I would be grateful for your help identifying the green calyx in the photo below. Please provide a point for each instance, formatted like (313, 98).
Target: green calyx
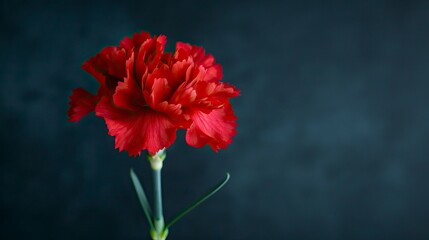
(157, 159)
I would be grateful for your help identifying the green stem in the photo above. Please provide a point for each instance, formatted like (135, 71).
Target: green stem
(159, 232)
(158, 216)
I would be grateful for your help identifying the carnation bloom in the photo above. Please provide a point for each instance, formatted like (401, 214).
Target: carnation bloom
(146, 95)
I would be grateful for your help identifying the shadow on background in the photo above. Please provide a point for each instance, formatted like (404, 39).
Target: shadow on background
(332, 136)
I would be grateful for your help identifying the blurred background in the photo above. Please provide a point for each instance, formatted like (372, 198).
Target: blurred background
(332, 136)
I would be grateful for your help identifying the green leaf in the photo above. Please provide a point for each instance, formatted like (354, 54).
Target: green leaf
(142, 198)
(199, 201)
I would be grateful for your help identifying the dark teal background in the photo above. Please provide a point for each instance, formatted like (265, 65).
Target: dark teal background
(333, 128)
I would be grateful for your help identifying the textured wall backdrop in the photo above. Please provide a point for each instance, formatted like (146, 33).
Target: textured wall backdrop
(333, 121)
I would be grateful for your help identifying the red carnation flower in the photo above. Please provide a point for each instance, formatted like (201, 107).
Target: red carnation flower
(146, 95)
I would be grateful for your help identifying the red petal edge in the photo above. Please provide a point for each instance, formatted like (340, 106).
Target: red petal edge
(215, 128)
(81, 103)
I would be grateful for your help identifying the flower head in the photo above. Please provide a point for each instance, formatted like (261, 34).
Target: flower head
(146, 95)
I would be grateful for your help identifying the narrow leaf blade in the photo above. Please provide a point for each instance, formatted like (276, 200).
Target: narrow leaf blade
(199, 201)
(142, 198)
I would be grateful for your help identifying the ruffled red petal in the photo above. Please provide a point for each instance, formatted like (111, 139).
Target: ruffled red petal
(107, 66)
(214, 73)
(185, 50)
(149, 56)
(215, 94)
(81, 103)
(138, 39)
(215, 128)
(90, 67)
(137, 131)
(128, 94)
